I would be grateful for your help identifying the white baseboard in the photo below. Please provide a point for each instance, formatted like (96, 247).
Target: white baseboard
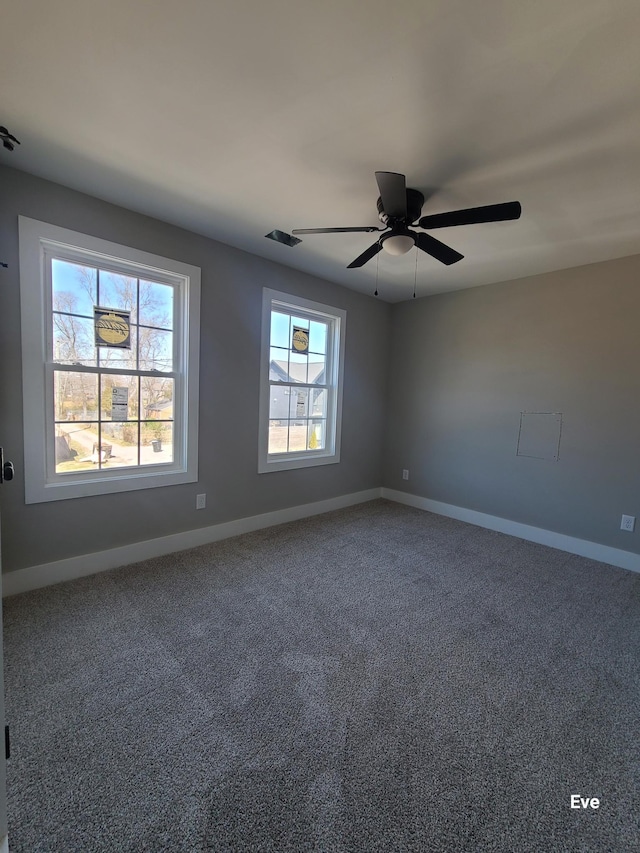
(46, 574)
(34, 577)
(582, 547)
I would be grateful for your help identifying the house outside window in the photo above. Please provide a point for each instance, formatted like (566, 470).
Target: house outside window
(302, 370)
(110, 339)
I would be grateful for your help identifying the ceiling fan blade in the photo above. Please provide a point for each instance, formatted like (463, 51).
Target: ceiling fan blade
(362, 259)
(393, 192)
(282, 237)
(473, 215)
(438, 250)
(366, 228)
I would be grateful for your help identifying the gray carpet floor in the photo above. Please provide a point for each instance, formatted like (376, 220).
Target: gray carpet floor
(373, 679)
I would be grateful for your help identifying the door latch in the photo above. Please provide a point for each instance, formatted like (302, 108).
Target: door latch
(7, 471)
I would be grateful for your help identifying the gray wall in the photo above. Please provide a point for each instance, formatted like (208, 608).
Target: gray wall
(465, 364)
(232, 283)
(461, 368)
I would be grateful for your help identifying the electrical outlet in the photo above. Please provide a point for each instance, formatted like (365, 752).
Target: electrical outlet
(628, 523)
(405, 474)
(201, 501)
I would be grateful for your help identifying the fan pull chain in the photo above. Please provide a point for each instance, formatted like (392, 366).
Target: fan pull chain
(415, 276)
(377, 266)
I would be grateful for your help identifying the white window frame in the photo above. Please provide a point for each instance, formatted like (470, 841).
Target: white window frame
(337, 317)
(39, 241)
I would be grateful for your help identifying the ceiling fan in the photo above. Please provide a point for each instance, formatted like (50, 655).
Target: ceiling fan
(398, 208)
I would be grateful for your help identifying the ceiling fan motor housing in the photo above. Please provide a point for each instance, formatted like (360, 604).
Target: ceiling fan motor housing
(415, 200)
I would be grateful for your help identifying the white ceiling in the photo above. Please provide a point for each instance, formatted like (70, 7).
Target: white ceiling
(234, 117)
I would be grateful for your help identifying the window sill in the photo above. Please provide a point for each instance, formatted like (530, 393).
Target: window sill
(289, 462)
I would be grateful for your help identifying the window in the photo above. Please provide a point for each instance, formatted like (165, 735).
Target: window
(110, 342)
(301, 382)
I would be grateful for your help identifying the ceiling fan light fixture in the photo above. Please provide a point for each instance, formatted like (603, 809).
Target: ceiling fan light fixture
(398, 244)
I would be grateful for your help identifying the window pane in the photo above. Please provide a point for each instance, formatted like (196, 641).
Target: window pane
(279, 402)
(297, 436)
(280, 330)
(156, 349)
(119, 444)
(298, 367)
(317, 369)
(73, 447)
(120, 358)
(116, 290)
(319, 402)
(73, 340)
(156, 304)
(73, 287)
(119, 401)
(76, 412)
(278, 436)
(299, 403)
(318, 337)
(75, 396)
(156, 445)
(317, 433)
(278, 365)
(157, 398)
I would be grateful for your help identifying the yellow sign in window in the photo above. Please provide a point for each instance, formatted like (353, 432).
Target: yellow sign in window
(112, 327)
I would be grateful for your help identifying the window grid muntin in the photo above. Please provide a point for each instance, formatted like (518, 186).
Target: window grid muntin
(179, 344)
(100, 353)
(139, 420)
(306, 420)
(332, 324)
